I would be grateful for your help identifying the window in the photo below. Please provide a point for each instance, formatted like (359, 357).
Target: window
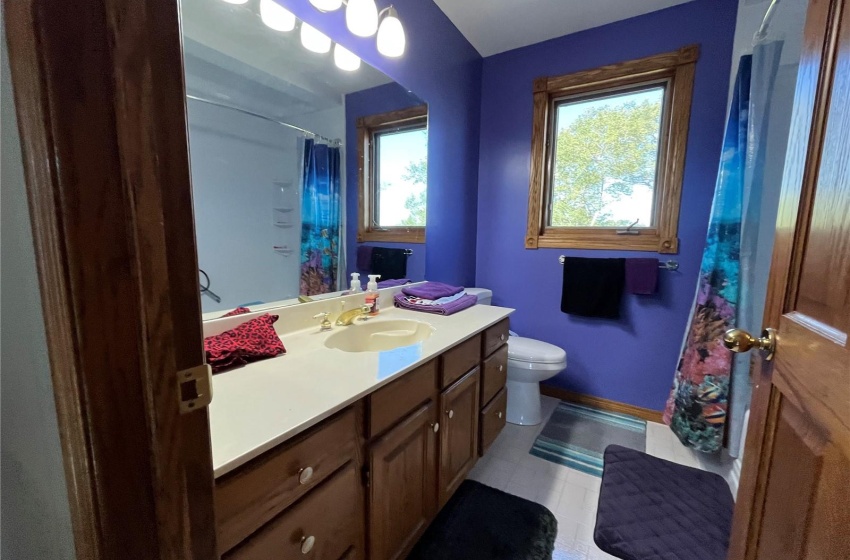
(608, 152)
(393, 151)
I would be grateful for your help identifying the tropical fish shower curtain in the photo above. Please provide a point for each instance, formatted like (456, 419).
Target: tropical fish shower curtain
(320, 218)
(697, 407)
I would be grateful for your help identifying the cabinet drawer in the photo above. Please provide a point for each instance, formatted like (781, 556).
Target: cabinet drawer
(494, 374)
(254, 494)
(330, 517)
(495, 336)
(459, 360)
(493, 419)
(390, 404)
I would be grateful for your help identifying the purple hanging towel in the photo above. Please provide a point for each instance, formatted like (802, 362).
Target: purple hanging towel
(641, 276)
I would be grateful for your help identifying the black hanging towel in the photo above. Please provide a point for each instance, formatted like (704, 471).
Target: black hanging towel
(593, 287)
(391, 264)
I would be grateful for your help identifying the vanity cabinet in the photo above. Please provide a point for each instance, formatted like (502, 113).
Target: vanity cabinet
(402, 483)
(368, 481)
(459, 432)
(326, 525)
(494, 396)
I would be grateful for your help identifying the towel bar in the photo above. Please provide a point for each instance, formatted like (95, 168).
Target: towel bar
(669, 265)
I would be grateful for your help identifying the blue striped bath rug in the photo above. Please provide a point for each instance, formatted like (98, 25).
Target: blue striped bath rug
(576, 436)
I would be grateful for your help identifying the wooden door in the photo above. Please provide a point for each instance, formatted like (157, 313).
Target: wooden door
(101, 109)
(403, 484)
(793, 500)
(459, 437)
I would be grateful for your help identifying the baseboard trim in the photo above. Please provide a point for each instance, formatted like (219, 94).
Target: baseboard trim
(602, 404)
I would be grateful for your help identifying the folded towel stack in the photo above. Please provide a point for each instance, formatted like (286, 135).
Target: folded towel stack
(393, 283)
(435, 297)
(249, 342)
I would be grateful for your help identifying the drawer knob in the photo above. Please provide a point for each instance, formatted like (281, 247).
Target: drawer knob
(499, 415)
(436, 427)
(305, 474)
(450, 413)
(307, 544)
(502, 337)
(501, 367)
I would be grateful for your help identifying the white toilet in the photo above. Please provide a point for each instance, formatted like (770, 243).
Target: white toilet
(529, 362)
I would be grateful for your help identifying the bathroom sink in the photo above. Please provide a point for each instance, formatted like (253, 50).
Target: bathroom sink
(376, 336)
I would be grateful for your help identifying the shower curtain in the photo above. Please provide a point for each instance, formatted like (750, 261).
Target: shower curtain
(320, 218)
(697, 407)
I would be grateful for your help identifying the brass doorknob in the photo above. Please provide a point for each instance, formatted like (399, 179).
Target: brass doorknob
(739, 340)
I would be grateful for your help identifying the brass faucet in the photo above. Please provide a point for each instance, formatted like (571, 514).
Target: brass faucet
(346, 318)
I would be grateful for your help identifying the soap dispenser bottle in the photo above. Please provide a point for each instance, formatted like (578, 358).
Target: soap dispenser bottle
(355, 283)
(372, 293)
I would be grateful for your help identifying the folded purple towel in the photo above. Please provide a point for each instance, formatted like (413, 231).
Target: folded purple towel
(446, 309)
(432, 290)
(641, 276)
(364, 258)
(393, 283)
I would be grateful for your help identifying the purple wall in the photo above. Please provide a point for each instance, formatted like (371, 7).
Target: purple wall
(631, 360)
(441, 67)
(373, 101)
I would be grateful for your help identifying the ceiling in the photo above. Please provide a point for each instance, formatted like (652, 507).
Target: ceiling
(232, 57)
(495, 26)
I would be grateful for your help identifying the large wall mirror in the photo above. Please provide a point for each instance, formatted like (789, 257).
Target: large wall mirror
(289, 145)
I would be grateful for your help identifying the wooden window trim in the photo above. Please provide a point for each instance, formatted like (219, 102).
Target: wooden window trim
(367, 127)
(677, 69)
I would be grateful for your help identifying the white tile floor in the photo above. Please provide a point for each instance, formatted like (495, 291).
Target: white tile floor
(569, 494)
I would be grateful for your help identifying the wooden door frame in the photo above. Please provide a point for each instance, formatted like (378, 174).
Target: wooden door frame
(100, 102)
(808, 122)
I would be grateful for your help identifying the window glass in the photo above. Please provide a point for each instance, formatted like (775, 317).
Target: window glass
(605, 159)
(401, 167)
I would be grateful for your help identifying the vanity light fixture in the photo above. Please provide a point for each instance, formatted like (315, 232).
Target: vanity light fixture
(391, 39)
(314, 40)
(326, 5)
(361, 17)
(276, 16)
(345, 59)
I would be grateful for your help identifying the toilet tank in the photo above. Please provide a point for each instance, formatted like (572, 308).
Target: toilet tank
(485, 296)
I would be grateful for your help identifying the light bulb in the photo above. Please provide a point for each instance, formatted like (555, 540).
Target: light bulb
(326, 5)
(237, 2)
(345, 59)
(391, 39)
(276, 16)
(361, 17)
(314, 40)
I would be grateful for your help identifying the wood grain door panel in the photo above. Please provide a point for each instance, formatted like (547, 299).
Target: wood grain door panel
(403, 485)
(459, 432)
(795, 485)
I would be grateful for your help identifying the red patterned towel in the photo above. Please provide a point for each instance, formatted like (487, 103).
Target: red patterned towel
(237, 311)
(251, 341)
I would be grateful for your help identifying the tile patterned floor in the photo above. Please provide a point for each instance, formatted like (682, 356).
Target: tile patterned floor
(569, 494)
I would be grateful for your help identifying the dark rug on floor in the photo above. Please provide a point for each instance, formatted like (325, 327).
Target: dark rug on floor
(482, 523)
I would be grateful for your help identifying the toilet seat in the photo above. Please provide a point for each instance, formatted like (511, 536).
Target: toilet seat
(527, 353)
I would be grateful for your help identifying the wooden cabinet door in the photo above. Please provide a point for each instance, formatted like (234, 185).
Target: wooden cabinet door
(795, 483)
(403, 484)
(459, 432)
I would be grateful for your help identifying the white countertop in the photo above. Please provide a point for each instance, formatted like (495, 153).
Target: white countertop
(256, 407)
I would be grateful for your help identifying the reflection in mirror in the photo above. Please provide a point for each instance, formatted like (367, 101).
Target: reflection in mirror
(273, 145)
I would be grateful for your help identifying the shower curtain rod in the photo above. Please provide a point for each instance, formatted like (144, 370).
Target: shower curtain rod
(765, 23)
(335, 141)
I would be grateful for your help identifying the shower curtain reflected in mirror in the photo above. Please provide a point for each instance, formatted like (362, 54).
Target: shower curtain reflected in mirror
(320, 218)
